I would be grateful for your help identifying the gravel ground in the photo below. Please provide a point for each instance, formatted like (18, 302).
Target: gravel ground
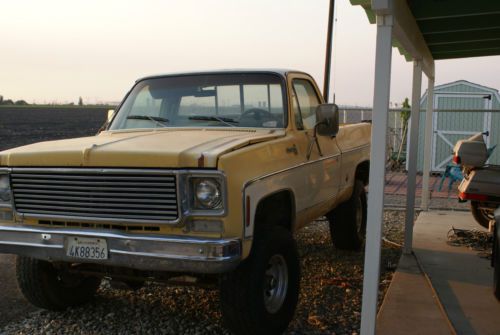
(330, 297)
(477, 240)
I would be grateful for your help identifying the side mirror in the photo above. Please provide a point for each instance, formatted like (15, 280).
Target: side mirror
(111, 113)
(327, 118)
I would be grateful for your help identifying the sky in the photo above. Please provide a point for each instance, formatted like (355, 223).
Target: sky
(59, 50)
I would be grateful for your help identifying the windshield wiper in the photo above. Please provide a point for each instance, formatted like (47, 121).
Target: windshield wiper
(156, 119)
(226, 120)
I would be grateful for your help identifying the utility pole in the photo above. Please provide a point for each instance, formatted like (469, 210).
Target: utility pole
(328, 60)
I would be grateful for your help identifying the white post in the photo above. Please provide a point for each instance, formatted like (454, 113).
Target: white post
(362, 115)
(413, 155)
(427, 145)
(345, 118)
(383, 58)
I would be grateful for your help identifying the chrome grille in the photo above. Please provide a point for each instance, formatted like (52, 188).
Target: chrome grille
(105, 194)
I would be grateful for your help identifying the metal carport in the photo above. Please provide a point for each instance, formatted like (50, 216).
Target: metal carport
(423, 31)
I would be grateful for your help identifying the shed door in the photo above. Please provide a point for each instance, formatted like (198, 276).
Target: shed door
(451, 126)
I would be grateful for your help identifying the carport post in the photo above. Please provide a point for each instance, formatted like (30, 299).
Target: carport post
(413, 155)
(427, 145)
(383, 58)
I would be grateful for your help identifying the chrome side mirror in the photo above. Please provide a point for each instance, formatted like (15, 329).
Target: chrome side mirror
(111, 113)
(109, 117)
(327, 118)
(327, 124)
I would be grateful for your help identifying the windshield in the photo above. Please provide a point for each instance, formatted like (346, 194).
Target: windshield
(213, 100)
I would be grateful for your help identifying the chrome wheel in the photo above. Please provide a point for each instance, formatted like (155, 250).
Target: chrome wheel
(276, 283)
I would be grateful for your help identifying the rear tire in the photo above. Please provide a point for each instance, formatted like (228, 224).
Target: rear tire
(482, 216)
(46, 287)
(260, 296)
(348, 220)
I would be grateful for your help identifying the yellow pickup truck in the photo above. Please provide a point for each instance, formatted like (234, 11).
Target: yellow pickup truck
(200, 177)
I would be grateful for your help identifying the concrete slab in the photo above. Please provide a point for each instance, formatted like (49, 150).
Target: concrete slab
(462, 280)
(410, 305)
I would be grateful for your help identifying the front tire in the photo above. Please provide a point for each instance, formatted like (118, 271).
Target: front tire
(348, 220)
(496, 263)
(260, 296)
(482, 216)
(46, 287)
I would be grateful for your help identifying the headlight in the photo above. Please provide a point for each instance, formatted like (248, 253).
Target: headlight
(207, 193)
(4, 188)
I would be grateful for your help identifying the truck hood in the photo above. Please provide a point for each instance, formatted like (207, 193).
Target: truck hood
(173, 148)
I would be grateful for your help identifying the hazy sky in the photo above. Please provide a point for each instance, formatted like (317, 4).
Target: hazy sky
(58, 50)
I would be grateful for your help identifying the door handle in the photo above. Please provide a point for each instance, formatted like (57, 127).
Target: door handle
(292, 149)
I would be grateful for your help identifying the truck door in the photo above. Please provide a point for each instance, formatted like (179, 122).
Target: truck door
(322, 177)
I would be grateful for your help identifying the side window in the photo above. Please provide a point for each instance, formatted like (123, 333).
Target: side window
(308, 101)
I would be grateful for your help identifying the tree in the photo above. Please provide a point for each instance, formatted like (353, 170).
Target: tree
(20, 103)
(405, 116)
(80, 101)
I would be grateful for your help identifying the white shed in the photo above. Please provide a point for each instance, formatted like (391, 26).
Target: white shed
(461, 109)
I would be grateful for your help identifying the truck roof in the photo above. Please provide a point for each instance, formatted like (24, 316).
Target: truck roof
(280, 72)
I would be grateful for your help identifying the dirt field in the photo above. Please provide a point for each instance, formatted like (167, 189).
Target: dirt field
(25, 125)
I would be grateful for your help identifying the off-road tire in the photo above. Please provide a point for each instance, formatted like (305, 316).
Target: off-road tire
(43, 285)
(243, 293)
(481, 216)
(496, 263)
(348, 220)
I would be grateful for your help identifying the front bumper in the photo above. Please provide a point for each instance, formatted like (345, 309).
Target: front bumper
(152, 253)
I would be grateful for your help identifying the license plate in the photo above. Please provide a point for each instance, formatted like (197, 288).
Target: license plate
(87, 248)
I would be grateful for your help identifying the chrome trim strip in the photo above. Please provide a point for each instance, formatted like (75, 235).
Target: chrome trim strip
(157, 255)
(95, 170)
(356, 148)
(85, 219)
(32, 244)
(289, 168)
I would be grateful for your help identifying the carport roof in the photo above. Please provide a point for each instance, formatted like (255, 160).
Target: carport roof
(453, 28)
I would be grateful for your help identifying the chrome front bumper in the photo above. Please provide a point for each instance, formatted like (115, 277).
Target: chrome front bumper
(158, 253)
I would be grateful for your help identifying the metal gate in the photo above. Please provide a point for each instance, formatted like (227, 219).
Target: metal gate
(452, 124)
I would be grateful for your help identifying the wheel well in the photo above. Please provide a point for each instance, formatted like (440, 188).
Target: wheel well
(363, 172)
(275, 209)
